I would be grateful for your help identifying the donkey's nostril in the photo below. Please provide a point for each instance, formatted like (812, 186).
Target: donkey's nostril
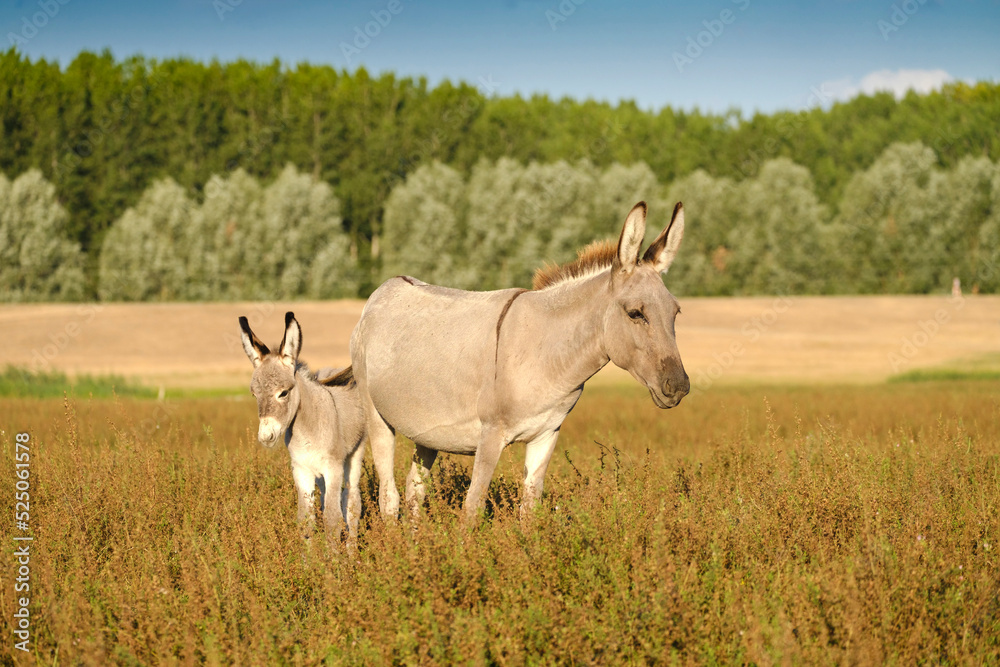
(677, 387)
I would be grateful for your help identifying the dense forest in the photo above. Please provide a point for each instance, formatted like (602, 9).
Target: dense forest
(175, 179)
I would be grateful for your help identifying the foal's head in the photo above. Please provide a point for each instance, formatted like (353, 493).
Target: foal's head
(273, 383)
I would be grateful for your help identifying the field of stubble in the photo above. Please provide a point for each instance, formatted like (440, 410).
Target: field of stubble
(777, 525)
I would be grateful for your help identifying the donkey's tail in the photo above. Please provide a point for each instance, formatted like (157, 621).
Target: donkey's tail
(342, 378)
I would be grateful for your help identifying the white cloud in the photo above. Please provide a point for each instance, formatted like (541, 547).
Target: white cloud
(896, 82)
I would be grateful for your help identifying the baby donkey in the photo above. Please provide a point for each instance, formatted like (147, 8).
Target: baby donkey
(323, 425)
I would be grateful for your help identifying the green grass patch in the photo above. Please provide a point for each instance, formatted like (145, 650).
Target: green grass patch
(945, 375)
(22, 383)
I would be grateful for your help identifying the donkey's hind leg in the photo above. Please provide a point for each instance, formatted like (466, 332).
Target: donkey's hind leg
(382, 440)
(420, 470)
(491, 443)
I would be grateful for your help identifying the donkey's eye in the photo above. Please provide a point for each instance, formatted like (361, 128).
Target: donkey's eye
(283, 393)
(636, 314)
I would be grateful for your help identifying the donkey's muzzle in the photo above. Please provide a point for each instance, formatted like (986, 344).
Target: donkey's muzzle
(672, 391)
(269, 431)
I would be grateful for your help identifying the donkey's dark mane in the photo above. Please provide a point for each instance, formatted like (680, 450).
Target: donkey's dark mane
(343, 378)
(594, 258)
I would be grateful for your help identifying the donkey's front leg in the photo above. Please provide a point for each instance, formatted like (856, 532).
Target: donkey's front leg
(491, 444)
(537, 455)
(305, 484)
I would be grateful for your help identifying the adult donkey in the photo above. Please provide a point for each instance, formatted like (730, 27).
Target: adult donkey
(322, 423)
(471, 372)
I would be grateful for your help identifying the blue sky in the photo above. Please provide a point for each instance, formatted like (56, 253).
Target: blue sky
(747, 54)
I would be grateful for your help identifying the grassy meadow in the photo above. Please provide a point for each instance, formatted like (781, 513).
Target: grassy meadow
(753, 525)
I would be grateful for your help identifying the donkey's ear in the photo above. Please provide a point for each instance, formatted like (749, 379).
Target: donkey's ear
(291, 344)
(630, 241)
(663, 250)
(255, 349)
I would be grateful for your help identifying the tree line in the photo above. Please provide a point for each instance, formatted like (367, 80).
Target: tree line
(904, 225)
(102, 131)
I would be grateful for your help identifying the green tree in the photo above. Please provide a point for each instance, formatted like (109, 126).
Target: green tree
(554, 205)
(424, 233)
(230, 211)
(959, 203)
(242, 242)
(781, 243)
(38, 262)
(711, 211)
(299, 217)
(884, 223)
(145, 252)
(521, 217)
(619, 187)
(987, 256)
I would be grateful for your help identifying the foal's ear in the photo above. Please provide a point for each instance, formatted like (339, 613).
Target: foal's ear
(663, 250)
(291, 344)
(255, 349)
(630, 241)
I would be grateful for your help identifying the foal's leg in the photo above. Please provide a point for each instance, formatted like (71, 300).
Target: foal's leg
(333, 519)
(491, 444)
(537, 455)
(420, 469)
(305, 484)
(351, 499)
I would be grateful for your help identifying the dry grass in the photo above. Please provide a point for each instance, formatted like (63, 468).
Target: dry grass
(816, 525)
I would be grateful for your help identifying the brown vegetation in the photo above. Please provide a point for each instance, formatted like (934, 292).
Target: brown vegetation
(782, 525)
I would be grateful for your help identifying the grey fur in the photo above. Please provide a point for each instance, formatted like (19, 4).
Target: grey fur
(439, 365)
(323, 424)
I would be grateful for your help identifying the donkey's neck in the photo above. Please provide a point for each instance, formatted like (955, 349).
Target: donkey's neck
(571, 329)
(306, 418)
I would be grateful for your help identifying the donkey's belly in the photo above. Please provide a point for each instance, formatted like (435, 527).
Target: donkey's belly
(431, 418)
(449, 438)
